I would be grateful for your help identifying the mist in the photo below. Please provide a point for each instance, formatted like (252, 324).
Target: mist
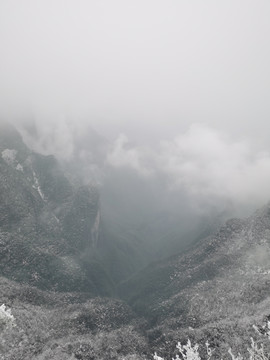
(174, 93)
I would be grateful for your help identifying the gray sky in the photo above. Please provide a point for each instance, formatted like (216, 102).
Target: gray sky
(191, 76)
(125, 64)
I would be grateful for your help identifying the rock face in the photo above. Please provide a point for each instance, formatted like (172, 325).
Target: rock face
(47, 226)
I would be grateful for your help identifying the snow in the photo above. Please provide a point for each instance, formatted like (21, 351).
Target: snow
(9, 155)
(19, 167)
(37, 186)
(56, 218)
(5, 315)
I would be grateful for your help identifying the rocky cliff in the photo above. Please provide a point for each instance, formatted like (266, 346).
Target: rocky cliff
(47, 225)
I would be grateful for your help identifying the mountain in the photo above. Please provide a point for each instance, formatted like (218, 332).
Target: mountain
(215, 291)
(50, 325)
(47, 224)
(141, 214)
(70, 275)
(54, 271)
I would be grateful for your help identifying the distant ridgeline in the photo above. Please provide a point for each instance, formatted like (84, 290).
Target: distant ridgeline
(49, 229)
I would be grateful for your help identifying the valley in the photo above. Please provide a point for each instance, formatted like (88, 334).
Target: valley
(84, 278)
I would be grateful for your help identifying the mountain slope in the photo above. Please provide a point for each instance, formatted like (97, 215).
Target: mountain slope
(222, 283)
(46, 224)
(67, 326)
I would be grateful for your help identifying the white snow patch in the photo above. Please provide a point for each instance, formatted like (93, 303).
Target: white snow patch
(9, 155)
(19, 167)
(37, 186)
(71, 265)
(5, 315)
(56, 218)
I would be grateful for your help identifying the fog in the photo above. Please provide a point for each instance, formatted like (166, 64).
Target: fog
(176, 90)
(204, 162)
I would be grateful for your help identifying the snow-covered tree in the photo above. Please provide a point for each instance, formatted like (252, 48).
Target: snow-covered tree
(256, 350)
(6, 318)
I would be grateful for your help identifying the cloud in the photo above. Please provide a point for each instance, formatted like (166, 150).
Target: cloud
(123, 155)
(54, 136)
(209, 164)
(205, 163)
(137, 65)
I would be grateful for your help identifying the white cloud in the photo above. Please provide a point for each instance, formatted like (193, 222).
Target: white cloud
(54, 136)
(123, 155)
(208, 164)
(203, 162)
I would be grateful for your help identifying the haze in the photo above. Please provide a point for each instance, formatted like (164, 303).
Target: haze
(180, 88)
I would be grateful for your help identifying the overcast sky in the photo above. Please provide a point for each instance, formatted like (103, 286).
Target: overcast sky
(191, 76)
(124, 64)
